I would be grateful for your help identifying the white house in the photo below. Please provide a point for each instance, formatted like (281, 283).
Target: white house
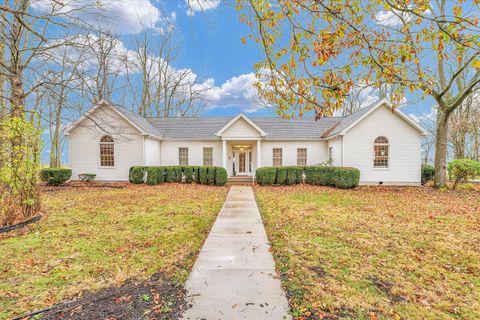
(384, 144)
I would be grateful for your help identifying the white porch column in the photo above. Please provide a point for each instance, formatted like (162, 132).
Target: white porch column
(224, 154)
(259, 153)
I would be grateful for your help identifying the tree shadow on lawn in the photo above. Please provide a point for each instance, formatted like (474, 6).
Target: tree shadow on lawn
(156, 298)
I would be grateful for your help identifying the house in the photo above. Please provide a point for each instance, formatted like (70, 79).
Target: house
(384, 144)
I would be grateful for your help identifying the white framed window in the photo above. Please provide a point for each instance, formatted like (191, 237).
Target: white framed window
(183, 156)
(208, 156)
(301, 156)
(277, 157)
(107, 151)
(380, 152)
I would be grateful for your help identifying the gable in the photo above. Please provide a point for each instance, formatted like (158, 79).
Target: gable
(102, 114)
(241, 128)
(354, 119)
(103, 120)
(382, 121)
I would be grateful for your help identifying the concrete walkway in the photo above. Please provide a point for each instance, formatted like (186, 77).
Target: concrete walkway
(234, 275)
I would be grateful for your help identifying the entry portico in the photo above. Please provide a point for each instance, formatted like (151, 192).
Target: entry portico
(241, 146)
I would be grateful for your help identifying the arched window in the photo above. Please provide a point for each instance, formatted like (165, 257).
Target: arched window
(380, 153)
(107, 152)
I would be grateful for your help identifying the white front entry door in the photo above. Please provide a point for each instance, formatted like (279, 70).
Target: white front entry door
(242, 162)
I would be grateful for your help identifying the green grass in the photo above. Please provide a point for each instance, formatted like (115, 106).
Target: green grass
(376, 253)
(97, 237)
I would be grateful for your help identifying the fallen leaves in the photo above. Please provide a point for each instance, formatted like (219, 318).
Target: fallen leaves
(375, 252)
(94, 237)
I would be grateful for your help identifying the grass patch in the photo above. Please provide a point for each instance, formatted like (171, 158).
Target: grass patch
(93, 238)
(376, 253)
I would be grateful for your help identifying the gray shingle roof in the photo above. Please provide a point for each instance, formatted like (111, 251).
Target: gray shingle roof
(349, 119)
(204, 128)
(139, 121)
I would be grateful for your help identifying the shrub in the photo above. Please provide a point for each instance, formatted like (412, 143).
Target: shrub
(160, 174)
(340, 177)
(294, 175)
(152, 175)
(220, 176)
(55, 176)
(169, 174)
(178, 174)
(87, 176)
(428, 172)
(210, 175)
(265, 175)
(346, 178)
(281, 176)
(462, 170)
(202, 175)
(195, 175)
(319, 175)
(188, 172)
(136, 175)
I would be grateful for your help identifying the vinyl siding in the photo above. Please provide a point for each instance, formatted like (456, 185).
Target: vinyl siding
(152, 152)
(336, 145)
(316, 152)
(404, 149)
(85, 148)
(241, 129)
(169, 152)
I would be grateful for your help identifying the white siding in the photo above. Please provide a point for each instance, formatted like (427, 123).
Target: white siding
(152, 152)
(316, 152)
(405, 149)
(169, 152)
(85, 148)
(336, 145)
(241, 129)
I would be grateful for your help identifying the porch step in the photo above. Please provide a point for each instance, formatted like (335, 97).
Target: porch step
(239, 180)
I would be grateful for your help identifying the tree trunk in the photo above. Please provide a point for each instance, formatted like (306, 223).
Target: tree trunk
(441, 141)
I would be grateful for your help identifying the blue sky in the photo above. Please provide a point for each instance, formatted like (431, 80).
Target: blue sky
(212, 49)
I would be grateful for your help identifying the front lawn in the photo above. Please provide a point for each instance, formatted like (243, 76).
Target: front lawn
(376, 253)
(98, 237)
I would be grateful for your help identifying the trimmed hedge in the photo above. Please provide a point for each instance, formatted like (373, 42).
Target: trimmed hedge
(428, 172)
(136, 175)
(281, 176)
(188, 173)
(294, 175)
(202, 175)
(340, 177)
(221, 176)
(182, 174)
(211, 175)
(152, 176)
(169, 174)
(266, 175)
(55, 176)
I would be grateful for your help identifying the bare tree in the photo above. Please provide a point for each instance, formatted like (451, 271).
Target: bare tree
(165, 91)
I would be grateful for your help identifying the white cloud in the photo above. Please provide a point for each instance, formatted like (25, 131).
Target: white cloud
(119, 16)
(237, 91)
(392, 19)
(387, 18)
(194, 6)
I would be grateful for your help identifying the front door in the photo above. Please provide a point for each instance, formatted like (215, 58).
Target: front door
(242, 162)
